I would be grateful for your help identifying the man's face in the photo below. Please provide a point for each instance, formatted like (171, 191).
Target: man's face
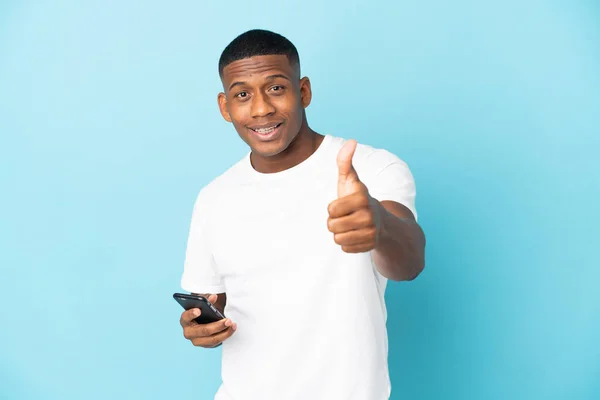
(264, 98)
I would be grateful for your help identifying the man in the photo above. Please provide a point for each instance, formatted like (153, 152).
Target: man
(295, 243)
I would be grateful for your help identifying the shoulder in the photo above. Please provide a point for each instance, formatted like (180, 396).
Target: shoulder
(386, 175)
(222, 184)
(371, 160)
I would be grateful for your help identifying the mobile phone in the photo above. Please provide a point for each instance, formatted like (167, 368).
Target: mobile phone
(208, 312)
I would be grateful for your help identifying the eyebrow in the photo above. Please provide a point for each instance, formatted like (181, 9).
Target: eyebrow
(270, 78)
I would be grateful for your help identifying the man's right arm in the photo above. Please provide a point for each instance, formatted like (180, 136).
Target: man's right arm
(201, 275)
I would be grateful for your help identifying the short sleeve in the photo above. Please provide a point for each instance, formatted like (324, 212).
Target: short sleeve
(391, 179)
(200, 273)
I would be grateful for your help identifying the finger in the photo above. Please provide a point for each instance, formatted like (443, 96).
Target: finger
(358, 248)
(212, 298)
(357, 237)
(214, 340)
(344, 162)
(347, 205)
(360, 219)
(188, 316)
(205, 330)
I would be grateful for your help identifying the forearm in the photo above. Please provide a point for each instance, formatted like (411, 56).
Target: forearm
(400, 250)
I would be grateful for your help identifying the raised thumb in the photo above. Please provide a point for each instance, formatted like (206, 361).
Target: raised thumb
(344, 161)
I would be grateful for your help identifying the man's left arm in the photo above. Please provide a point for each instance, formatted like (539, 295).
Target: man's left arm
(399, 252)
(380, 219)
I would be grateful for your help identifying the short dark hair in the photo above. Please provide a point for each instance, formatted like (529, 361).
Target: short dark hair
(258, 42)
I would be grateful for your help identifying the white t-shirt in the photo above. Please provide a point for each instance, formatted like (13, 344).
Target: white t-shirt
(311, 319)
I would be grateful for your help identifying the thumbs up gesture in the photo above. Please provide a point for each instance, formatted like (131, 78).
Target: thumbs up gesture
(354, 217)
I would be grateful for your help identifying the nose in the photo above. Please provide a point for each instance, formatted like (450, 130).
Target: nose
(261, 107)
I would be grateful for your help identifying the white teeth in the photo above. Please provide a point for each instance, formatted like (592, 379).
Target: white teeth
(264, 131)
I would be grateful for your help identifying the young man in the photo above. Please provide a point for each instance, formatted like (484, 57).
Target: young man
(295, 243)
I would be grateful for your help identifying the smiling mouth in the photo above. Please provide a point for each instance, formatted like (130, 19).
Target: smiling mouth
(266, 130)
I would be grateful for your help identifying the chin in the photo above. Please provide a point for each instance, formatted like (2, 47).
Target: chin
(269, 149)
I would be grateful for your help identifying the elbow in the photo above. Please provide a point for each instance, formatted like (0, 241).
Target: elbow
(416, 270)
(405, 273)
(403, 265)
(410, 271)
(418, 264)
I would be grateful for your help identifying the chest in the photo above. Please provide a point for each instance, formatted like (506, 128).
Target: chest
(274, 232)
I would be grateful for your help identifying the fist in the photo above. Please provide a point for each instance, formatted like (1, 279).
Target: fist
(355, 216)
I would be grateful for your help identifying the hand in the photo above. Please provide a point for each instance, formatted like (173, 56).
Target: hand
(355, 217)
(206, 335)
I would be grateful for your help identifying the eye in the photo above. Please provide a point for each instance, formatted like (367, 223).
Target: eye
(277, 88)
(242, 95)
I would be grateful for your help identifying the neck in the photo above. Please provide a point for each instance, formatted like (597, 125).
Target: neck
(302, 146)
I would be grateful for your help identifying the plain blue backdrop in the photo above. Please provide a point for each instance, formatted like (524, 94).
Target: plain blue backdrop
(109, 127)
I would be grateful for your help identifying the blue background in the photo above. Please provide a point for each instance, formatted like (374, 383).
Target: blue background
(109, 127)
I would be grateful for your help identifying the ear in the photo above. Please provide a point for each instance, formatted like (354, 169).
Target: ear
(222, 99)
(305, 92)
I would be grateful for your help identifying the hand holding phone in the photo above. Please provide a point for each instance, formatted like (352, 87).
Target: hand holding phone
(202, 323)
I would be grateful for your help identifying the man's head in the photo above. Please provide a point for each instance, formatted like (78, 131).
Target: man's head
(263, 94)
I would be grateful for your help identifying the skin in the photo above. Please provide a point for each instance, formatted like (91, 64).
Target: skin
(207, 335)
(268, 90)
(361, 223)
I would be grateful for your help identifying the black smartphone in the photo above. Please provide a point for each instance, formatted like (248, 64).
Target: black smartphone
(208, 312)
